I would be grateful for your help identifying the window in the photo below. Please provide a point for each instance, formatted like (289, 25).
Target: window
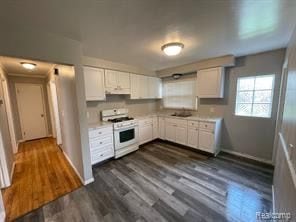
(254, 96)
(179, 94)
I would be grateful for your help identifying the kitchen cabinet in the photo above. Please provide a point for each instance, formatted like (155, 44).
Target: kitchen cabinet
(155, 127)
(94, 84)
(154, 88)
(210, 83)
(209, 136)
(193, 134)
(145, 130)
(139, 88)
(161, 128)
(117, 82)
(101, 143)
(176, 131)
(145, 87)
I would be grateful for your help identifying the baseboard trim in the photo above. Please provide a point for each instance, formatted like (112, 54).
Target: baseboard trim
(248, 156)
(12, 171)
(84, 182)
(273, 199)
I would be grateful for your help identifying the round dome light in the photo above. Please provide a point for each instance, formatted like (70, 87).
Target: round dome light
(172, 49)
(29, 66)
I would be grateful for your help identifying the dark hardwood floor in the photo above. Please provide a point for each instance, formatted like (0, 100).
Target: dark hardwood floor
(163, 182)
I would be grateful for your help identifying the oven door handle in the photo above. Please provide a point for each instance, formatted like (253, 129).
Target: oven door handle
(128, 128)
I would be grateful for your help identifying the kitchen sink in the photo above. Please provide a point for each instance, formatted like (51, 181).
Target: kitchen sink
(182, 114)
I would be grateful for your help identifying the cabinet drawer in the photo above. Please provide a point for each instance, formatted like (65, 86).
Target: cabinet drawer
(143, 122)
(100, 132)
(193, 124)
(176, 122)
(102, 155)
(207, 126)
(95, 143)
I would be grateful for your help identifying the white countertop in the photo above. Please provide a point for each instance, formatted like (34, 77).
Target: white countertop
(99, 124)
(192, 118)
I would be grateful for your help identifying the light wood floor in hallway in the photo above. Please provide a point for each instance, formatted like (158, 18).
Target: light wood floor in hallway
(42, 174)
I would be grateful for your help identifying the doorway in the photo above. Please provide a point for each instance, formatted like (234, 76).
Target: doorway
(40, 170)
(31, 106)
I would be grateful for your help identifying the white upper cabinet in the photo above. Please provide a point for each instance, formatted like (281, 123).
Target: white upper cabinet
(210, 83)
(154, 88)
(144, 87)
(94, 84)
(117, 82)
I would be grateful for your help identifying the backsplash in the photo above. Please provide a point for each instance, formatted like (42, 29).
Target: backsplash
(135, 107)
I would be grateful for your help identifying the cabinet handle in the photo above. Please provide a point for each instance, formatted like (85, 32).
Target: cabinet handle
(101, 142)
(100, 132)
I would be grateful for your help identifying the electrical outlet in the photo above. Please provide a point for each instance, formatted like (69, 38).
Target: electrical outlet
(87, 114)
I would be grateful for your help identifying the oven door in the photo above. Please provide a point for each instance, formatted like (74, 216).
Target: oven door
(125, 137)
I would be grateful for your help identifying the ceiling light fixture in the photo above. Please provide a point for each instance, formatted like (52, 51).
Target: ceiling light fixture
(172, 49)
(29, 66)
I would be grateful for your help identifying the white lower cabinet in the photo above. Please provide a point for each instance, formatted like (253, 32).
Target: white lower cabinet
(101, 143)
(193, 137)
(203, 135)
(161, 128)
(170, 132)
(176, 131)
(206, 140)
(145, 130)
(155, 127)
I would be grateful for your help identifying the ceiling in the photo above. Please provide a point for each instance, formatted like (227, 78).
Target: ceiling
(13, 66)
(133, 31)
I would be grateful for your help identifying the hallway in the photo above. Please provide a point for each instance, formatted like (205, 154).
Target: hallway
(41, 175)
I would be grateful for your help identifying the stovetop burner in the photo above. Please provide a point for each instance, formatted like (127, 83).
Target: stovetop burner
(121, 119)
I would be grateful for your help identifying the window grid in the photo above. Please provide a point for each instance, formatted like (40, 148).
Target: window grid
(253, 91)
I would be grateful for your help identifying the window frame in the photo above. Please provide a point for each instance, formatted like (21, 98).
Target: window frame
(253, 96)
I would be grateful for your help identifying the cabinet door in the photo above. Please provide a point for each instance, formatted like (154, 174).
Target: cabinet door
(161, 127)
(210, 83)
(123, 80)
(111, 79)
(151, 87)
(135, 86)
(170, 132)
(94, 83)
(143, 87)
(155, 127)
(145, 133)
(193, 137)
(181, 135)
(206, 140)
(158, 84)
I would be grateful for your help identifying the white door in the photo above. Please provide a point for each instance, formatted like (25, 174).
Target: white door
(94, 84)
(31, 110)
(181, 135)
(193, 137)
(206, 140)
(170, 132)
